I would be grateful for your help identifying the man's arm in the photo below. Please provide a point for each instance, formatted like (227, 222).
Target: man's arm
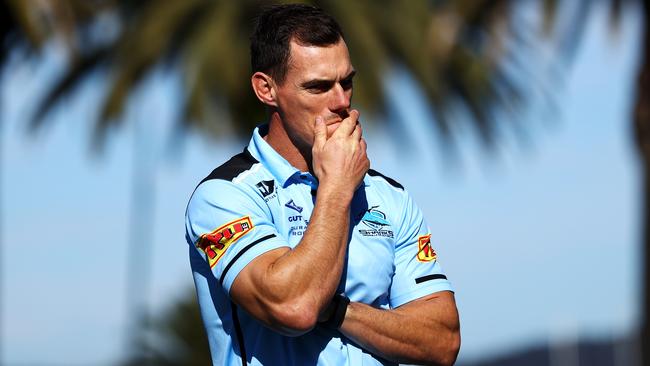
(287, 289)
(423, 331)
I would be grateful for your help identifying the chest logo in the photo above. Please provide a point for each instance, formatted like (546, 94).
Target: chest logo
(292, 205)
(374, 218)
(377, 223)
(425, 251)
(216, 243)
(266, 187)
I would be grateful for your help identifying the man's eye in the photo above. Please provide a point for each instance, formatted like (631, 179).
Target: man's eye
(346, 84)
(319, 88)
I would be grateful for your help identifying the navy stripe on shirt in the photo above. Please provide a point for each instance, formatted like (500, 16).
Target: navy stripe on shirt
(241, 252)
(430, 277)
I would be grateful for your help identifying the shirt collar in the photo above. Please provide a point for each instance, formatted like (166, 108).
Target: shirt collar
(278, 166)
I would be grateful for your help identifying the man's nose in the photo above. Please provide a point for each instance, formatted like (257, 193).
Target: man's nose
(340, 98)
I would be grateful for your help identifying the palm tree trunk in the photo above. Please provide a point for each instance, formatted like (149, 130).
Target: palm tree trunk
(2, 127)
(140, 245)
(642, 134)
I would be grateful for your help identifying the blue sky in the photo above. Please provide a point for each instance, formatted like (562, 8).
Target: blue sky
(540, 243)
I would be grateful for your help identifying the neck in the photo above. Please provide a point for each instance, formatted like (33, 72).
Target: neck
(283, 145)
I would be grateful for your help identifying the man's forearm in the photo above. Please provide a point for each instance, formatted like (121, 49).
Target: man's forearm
(421, 332)
(312, 270)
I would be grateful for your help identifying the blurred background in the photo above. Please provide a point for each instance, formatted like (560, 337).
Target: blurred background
(522, 129)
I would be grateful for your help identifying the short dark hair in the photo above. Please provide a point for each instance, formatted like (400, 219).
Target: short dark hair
(278, 25)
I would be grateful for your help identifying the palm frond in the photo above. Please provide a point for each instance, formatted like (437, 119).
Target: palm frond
(454, 49)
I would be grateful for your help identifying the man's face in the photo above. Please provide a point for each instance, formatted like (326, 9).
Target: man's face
(318, 83)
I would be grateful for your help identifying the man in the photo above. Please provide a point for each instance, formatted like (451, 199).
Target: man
(301, 255)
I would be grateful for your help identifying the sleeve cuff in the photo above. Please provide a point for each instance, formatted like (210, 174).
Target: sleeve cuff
(420, 291)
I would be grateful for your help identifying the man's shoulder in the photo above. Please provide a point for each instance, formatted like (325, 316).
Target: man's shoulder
(233, 168)
(377, 176)
(241, 177)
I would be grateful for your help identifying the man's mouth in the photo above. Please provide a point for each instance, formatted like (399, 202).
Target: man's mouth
(334, 120)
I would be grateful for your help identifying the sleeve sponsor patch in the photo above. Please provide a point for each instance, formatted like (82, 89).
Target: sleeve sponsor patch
(425, 251)
(216, 243)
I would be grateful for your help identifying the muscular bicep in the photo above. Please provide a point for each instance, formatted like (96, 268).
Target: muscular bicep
(238, 239)
(252, 291)
(229, 229)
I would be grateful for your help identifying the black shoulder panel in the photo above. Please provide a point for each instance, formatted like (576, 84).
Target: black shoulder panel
(391, 181)
(233, 167)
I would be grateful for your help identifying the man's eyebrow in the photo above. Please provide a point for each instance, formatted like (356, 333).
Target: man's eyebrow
(350, 75)
(324, 82)
(314, 83)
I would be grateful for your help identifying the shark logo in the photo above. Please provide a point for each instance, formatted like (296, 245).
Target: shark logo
(377, 222)
(374, 218)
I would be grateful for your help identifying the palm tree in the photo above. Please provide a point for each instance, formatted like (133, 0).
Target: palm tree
(460, 52)
(456, 49)
(179, 338)
(641, 120)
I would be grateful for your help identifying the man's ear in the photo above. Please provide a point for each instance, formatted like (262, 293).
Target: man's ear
(264, 88)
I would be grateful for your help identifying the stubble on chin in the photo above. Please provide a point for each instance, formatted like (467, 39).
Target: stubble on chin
(334, 121)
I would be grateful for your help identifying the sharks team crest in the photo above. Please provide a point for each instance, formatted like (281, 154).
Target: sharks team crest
(376, 222)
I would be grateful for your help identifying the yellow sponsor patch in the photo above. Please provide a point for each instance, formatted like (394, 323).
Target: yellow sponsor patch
(217, 242)
(425, 251)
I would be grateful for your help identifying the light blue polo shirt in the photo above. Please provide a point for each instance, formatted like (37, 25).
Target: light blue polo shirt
(257, 202)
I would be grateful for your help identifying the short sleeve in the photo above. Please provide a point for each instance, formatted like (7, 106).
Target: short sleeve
(417, 270)
(229, 226)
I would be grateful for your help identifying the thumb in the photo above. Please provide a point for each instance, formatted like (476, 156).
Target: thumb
(320, 132)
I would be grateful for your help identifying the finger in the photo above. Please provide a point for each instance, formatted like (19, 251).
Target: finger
(348, 124)
(356, 133)
(320, 132)
(364, 148)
